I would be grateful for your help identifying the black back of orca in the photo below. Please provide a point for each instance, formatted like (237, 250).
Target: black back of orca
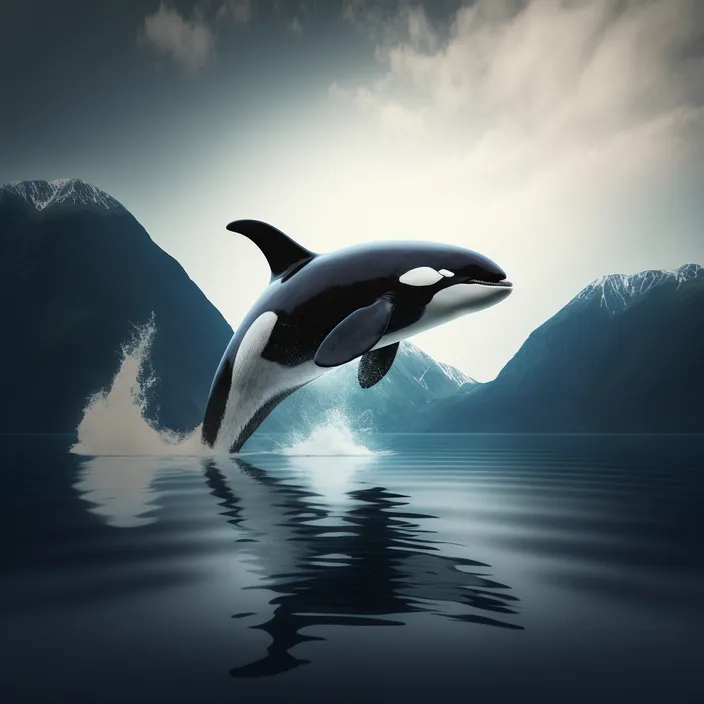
(330, 287)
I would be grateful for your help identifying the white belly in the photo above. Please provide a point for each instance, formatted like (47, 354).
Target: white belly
(256, 381)
(446, 305)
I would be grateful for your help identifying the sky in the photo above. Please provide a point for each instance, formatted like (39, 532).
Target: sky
(564, 139)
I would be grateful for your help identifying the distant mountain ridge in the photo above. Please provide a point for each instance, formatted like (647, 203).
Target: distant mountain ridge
(624, 355)
(615, 291)
(43, 194)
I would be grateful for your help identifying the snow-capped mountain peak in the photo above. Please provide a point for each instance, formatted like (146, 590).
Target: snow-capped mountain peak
(616, 291)
(425, 362)
(43, 194)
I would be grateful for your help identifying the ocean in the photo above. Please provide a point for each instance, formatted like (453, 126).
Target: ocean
(489, 568)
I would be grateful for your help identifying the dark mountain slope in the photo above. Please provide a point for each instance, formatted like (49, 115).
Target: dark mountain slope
(77, 271)
(625, 355)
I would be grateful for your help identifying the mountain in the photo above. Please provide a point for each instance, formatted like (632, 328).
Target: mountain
(617, 291)
(414, 381)
(72, 191)
(78, 272)
(625, 355)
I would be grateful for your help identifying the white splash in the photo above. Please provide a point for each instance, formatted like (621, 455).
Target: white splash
(335, 438)
(114, 422)
(329, 458)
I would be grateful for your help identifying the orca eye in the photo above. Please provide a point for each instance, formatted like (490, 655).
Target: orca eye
(421, 276)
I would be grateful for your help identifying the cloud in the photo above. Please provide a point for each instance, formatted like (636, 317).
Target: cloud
(239, 11)
(393, 115)
(379, 20)
(303, 13)
(545, 88)
(189, 43)
(361, 12)
(563, 138)
(393, 20)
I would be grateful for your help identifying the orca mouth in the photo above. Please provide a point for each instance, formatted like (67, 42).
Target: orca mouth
(500, 284)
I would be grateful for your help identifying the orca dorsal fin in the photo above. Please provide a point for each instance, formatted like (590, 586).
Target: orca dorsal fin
(279, 249)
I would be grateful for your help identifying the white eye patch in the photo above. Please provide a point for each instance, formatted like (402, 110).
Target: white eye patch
(445, 272)
(421, 276)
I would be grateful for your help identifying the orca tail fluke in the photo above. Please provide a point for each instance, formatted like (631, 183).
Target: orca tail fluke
(280, 250)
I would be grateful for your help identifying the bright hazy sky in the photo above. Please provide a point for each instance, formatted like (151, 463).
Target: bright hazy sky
(562, 138)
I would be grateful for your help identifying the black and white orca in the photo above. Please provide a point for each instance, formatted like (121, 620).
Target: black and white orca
(323, 310)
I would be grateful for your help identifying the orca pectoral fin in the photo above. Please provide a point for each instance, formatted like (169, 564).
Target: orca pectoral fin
(356, 334)
(375, 364)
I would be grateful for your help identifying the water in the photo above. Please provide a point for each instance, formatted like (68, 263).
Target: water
(457, 568)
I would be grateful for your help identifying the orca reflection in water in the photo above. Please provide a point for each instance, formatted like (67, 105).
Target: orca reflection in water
(323, 310)
(378, 561)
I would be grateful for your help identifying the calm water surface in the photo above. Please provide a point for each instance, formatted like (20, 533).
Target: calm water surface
(458, 568)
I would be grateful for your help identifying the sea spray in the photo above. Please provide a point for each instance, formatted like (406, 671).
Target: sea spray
(114, 421)
(334, 437)
(329, 458)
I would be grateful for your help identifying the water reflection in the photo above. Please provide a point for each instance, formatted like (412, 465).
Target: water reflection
(356, 556)
(600, 536)
(327, 546)
(121, 489)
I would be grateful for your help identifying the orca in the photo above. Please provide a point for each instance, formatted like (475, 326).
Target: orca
(320, 311)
